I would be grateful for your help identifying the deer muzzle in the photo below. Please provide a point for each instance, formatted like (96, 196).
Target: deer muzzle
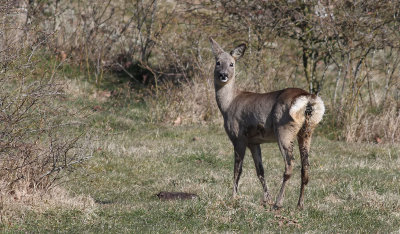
(223, 77)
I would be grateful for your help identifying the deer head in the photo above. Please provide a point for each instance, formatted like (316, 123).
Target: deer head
(224, 71)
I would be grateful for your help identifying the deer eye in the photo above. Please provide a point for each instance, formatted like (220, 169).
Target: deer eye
(218, 63)
(231, 65)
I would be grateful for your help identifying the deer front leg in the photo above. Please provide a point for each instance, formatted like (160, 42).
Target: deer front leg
(256, 153)
(240, 150)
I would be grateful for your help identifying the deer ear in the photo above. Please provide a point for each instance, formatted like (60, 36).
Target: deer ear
(238, 51)
(216, 49)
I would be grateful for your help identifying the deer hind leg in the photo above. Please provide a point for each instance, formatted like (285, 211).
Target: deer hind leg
(256, 153)
(285, 142)
(304, 139)
(240, 150)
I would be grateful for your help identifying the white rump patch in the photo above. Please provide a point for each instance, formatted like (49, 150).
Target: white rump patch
(298, 108)
(318, 110)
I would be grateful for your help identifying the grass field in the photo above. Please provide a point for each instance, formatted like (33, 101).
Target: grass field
(353, 187)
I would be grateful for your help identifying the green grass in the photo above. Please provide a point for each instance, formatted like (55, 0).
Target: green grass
(353, 187)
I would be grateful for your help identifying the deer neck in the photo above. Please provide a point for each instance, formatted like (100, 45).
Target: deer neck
(225, 94)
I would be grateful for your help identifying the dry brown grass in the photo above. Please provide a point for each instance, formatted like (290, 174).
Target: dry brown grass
(15, 204)
(381, 127)
(190, 102)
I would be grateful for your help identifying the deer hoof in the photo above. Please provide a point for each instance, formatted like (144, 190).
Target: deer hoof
(277, 207)
(300, 206)
(267, 201)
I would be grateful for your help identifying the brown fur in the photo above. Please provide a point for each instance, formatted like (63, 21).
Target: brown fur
(251, 119)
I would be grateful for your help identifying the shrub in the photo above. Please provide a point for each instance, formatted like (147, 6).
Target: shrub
(40, 137)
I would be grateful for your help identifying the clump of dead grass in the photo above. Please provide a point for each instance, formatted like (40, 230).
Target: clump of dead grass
(381, 127)
(23, 198)
(190, 102)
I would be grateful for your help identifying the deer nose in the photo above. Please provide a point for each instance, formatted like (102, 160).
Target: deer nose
(223, 76)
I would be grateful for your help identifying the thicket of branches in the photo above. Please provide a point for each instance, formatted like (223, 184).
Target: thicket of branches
(346, 51)
(40, 138)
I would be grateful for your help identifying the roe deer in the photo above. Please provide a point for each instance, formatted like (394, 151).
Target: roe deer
(251, 119)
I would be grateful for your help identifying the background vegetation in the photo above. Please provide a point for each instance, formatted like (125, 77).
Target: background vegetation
(125, 86)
